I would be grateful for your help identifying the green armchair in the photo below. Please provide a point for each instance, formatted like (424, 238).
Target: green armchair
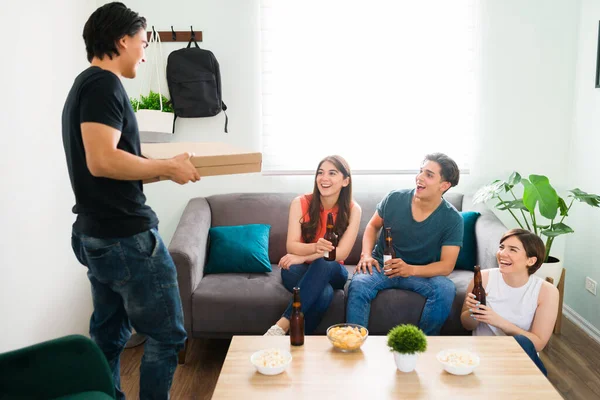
(71, 367)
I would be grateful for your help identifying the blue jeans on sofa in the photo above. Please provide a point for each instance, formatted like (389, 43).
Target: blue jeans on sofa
(134, 282)
(316, 281)
(438, 291)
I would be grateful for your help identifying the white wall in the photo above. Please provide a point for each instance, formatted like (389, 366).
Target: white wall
(44, 292)
(526, 70)
(528, 51)
(582, 250)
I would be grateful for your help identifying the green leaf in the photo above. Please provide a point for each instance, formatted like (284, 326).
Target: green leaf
(539, 191)
(562, 206)
(514, 179)
(512, 204)
(591, 199)
(558, 229)
(488, 192)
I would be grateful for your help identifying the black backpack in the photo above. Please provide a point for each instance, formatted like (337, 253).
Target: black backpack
(194, 80)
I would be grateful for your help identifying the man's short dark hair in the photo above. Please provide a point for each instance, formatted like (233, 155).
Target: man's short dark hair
(106, 26)
(450, 172)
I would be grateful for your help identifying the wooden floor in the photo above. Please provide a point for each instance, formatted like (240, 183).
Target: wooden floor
(572, 360)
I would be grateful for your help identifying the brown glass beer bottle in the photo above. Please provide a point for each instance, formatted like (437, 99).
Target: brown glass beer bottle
(331, 236)
(478, 289)
(297, 321)
(388, 249)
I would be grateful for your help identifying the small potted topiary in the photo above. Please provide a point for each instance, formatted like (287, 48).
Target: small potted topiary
(406, 341)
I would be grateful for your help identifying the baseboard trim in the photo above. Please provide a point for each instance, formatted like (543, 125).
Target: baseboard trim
(581, 323)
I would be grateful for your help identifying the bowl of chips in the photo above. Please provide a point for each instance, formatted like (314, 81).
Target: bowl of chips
(347, 337)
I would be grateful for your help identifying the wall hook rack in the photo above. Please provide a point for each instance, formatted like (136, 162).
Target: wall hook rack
(177, 36)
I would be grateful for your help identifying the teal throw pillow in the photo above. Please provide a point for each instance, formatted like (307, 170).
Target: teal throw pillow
(238, 248)
(467, 258)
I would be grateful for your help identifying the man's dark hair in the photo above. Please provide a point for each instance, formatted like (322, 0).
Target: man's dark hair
(106, 26)
(450, 172)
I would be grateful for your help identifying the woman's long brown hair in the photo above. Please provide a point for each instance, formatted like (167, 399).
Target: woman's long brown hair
(309, 229)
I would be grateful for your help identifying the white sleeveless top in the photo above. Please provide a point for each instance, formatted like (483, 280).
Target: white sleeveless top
(516, 305)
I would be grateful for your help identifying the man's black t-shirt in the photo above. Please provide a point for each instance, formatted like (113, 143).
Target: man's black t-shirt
(105, 207)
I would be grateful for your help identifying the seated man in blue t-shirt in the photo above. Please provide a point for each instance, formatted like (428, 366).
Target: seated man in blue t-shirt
(427, 234)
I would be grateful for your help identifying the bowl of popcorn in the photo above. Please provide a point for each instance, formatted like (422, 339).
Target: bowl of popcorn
(271, 361)
(347, 337)
(458, 361)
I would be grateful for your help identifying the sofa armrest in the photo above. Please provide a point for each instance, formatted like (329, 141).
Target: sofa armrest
(488, 232)
(188, 250)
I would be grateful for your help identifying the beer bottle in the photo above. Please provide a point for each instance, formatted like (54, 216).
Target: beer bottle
(478, 289)
(388, 249)
(331, 236)
(297, 321)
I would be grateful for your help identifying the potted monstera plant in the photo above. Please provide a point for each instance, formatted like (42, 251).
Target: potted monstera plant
(540, 210)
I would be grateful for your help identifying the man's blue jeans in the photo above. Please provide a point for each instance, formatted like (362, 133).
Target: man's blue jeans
(317, 282)
(438, 291)
(527, 345)
(134, 283)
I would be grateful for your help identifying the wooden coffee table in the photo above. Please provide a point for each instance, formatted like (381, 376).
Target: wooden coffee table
(318, 371)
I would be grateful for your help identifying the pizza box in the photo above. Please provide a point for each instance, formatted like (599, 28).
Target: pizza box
(209, 158)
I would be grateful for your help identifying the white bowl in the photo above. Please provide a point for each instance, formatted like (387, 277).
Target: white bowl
(277, 363)
(458, 361)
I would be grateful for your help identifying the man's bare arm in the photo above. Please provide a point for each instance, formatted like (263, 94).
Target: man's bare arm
(104, 159)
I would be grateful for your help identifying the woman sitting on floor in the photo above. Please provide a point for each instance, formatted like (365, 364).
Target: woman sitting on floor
(519, 303)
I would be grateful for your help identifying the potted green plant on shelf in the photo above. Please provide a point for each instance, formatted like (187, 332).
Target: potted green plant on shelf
(539, 210)
(406, 342)
(151, 102)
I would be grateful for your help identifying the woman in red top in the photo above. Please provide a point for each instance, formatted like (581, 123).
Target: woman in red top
(304, 265)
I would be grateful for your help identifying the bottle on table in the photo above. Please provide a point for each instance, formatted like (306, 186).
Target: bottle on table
(297, 320)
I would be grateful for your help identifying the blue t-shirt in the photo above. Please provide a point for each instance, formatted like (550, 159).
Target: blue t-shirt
(417, 243)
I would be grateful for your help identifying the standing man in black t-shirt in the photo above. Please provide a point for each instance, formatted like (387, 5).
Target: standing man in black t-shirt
(133, 278)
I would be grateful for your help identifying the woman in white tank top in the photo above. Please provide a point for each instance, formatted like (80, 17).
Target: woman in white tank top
(518, 303)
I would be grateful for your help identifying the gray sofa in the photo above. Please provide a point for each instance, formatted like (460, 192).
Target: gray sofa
(222, 305)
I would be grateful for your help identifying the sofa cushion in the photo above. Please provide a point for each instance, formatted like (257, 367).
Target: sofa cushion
(248, 304)
(467, 258)
(461, 280)
(255, 208)
(239, 248)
